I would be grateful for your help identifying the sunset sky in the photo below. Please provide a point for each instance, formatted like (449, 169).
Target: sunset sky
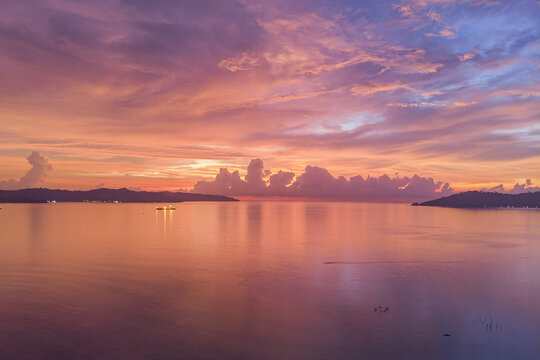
(162, 94)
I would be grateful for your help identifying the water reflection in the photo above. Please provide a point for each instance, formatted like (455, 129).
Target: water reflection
(254, 221)
(267, 280)
(164, 219)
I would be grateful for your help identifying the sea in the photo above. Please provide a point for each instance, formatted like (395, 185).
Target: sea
(268, 280)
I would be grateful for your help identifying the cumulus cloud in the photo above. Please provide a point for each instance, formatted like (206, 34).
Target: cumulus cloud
(34, 177)
(518, 188)
(318, 182)
(278, 182)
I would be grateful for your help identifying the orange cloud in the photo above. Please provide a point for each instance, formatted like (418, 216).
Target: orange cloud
(466, 57)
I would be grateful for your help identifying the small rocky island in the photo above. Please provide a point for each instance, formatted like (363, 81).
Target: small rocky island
(41, 195)
(484, 199)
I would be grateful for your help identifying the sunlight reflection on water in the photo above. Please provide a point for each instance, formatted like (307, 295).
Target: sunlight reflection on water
(268, 280)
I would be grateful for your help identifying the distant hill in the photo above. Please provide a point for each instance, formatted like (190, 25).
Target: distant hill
(481, 199)
(41, 195)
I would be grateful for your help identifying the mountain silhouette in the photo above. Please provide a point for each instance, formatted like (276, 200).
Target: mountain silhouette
(41, 195)
(484, 199)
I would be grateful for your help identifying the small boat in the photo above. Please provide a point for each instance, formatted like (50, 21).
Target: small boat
(170, 207)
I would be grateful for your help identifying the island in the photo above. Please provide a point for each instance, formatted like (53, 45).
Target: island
(42, 195)
(485, 199)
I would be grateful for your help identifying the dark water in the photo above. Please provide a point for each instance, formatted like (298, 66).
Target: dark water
(268, 280)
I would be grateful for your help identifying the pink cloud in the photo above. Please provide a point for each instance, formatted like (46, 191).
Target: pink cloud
(160, 93)
(244, 62)
(466, 57)
(444, 33)
(518, 188)
(372, 88)
(318, 182)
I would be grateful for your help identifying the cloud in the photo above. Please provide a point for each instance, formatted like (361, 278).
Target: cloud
(466, 57)
(309, 82)
(279, 182)
(404, 10)
(318, 182)
(444, 33)
(34, 177)
(255, 182)
(518, 188)
(431, 104)
(373, 88)
(522, 93)
(245, 62)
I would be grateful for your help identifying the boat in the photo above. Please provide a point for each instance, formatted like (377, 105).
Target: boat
(170, 207)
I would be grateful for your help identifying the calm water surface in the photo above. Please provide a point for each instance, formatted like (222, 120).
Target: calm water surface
(268, 280)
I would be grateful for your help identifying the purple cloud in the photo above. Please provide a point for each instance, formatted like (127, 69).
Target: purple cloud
(318, 182)
(440, 87)
(518, 188)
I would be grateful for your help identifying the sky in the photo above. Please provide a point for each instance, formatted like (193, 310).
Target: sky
(363, 97)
